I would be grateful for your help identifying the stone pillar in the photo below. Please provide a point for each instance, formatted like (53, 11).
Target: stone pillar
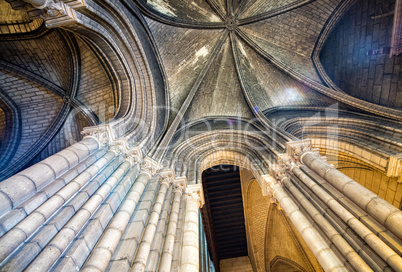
(344, 248)
(18, 188)
(382, 211)
(190, 246)
(144, 248)
(382, 249)
(104, 249)
(167, 251)
(321, 250)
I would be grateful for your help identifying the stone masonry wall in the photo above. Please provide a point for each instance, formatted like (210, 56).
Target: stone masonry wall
(239, 264)
(377, 78)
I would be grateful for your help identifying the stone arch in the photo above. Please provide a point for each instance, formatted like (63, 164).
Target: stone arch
(281, 264)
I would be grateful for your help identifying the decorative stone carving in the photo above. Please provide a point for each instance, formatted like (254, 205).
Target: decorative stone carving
(134, 155)
(394, 168)
(195, 192)
(295, 148)
(266, 183)
(167, 176)
(101, 134)
(180, 184)
(54, 12)
(150, 166)
(277, 171)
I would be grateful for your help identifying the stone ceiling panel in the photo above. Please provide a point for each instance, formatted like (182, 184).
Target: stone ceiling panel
(272, 88)
(39, 107)
(258, 7)
(184, 52)
(296, 30)
(192, 10)
(220, 94)
(300, 63)
(47, 56)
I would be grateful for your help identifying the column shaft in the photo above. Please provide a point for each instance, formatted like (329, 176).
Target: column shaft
(382, 211)
(382, 249)
(190, 247)
(149, 232)
(345, 249)
(115, 229)
(311, 236)
(67, 234)
(12, 239)
(167, 251)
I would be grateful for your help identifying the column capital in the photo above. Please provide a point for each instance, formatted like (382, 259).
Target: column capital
(394, 168)
(195, 192)
(150, 166)
(180, 184)
(296, 148)
(167, 176)
(102, 134)
(54, 13)
(270, 185)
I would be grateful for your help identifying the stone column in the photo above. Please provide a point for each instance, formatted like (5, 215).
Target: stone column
(381, 248)
(144, 248)
(344, 248)
(321, 250)
(167, 251)
(382, 211)
(190, 246)
(21, 186)
(104, 249)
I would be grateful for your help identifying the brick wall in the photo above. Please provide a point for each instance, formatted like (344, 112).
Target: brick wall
(47, 56)
(38, 106)
(67, 135)
(377, 78)
(240, 264)
(16, 21)
(95, 88)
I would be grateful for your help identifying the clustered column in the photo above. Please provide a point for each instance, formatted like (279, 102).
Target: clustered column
(168, 245)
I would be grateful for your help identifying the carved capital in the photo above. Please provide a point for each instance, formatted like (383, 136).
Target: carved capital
(134, 155)
(267, 180)
(180, 184)
(150, 166)
(277, 171)
(167, 177)
(55, 13)
(394, 168)
(101, 134)
(195, 193)
(296, 148)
